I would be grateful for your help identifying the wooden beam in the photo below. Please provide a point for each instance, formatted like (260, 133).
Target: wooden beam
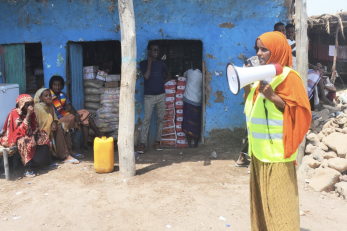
(301, 55)
(127, 90)
(335, 54)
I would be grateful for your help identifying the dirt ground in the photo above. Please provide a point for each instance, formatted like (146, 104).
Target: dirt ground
(177, 189)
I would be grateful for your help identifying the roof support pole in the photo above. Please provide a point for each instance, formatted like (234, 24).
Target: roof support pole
(301, 55)
(335, 54)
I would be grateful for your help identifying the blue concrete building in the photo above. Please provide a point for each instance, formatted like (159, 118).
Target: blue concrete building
(225, 29)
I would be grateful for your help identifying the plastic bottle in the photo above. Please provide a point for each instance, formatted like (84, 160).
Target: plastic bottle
(103, 154)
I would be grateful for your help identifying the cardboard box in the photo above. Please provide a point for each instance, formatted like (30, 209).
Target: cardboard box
(112, 78)
(90, 69)
(89, 75)
(101, 75)
(112, 84)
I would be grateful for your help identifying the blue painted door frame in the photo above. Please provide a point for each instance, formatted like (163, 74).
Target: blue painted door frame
(77, 89)
(76, 75)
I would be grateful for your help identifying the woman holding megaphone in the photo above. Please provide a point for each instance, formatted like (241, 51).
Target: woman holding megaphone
(278, 116)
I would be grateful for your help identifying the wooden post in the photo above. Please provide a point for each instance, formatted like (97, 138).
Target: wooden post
(127, 90)
(335, 54)
(301, 55)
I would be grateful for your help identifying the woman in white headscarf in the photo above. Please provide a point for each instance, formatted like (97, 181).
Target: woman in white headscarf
(61, 146)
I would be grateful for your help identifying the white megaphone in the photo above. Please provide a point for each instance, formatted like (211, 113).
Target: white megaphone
(239, 77)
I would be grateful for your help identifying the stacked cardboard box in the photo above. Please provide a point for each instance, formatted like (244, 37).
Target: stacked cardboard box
(181, 136)
(169, 128)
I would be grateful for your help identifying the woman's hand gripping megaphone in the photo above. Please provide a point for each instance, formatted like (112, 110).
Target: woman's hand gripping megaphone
(266, 90)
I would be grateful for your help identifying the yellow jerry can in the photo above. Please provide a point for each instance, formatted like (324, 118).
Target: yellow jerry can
(103, 154)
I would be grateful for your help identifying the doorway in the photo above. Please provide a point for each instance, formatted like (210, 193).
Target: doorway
(104, 54)
(179, 56)
(23, 65)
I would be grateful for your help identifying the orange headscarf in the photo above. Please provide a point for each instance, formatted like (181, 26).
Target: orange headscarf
(280, 50)
(297, 112)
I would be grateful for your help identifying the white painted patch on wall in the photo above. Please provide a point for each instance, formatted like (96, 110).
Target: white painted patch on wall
(81, 39)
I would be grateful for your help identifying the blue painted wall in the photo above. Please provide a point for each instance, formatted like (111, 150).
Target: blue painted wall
(57, 22)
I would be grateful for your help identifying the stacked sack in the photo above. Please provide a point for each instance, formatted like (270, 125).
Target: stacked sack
(91, 89)
(92, 95)
(169, 130)
(107, 117)
(181, 136)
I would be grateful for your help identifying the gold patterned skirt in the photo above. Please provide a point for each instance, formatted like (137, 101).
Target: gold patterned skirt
(274, 196)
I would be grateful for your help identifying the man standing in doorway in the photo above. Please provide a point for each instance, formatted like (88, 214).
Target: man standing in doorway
(155, 73)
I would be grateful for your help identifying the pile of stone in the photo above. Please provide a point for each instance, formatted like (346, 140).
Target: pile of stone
(324, 166)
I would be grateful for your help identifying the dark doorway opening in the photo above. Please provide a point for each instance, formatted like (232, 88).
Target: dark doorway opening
(179, 56)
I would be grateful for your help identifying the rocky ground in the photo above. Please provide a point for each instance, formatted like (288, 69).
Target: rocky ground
(177, 189)
(324, 166)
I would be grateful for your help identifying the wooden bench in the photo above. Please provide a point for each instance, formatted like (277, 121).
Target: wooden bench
(7, 152)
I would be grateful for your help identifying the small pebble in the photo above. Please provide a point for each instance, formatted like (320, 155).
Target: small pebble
(227, 225)
(168, 226)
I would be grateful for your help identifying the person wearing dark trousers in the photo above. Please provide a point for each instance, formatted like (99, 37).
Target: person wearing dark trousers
(155, 73)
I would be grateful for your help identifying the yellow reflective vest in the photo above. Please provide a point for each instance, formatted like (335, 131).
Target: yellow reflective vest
(265, 125)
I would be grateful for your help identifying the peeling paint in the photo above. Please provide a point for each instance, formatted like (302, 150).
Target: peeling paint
(210, 56)
(219, 97)
(138, 107)
(162, 33)
(117, 28)
(60, 60)
(81, 40)
(220, 73)
(228, 25)
(242, 57)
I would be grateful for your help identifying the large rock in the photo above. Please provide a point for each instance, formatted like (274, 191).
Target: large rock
(337, 142)
(339, 164)
(323, 147)
(321, 135)
(304, 169)
(341, 189)
(330, 154)
(325, 179)
(318, 154)
(344, 130)
(313, 139)
(313, 163)
(310, 148)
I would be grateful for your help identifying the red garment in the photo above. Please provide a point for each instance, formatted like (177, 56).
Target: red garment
(18, 131)
(297, 112)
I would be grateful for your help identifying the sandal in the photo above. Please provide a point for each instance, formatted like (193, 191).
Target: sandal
(241, 165)
(29, 174)
(79, 156)
(157, 146)
(73, 161)
(141, 149)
